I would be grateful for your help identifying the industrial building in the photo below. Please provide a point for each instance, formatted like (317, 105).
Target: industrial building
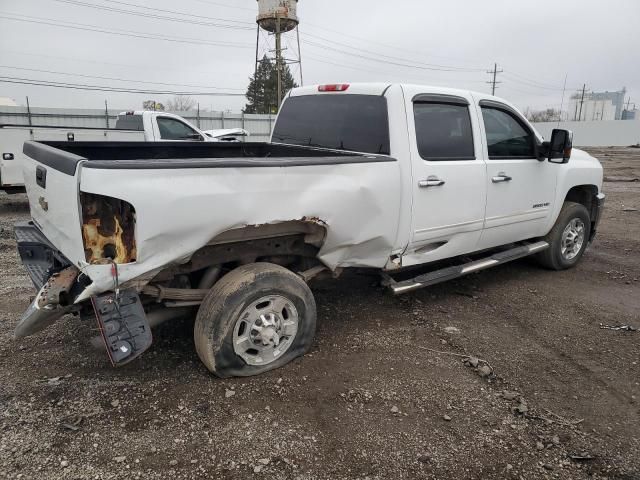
(593, 106)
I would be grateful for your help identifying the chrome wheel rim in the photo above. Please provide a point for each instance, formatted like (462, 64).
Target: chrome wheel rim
(265, 330)
(572, 239)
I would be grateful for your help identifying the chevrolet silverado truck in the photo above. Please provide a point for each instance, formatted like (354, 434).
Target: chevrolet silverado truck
(140, 126)
(363, 176)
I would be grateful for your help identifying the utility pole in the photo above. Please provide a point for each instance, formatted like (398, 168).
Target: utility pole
(564, 88)
(584, 87)
(279, 58)
(255, 72)
(29, 112)
(300, 57)
(493, 82)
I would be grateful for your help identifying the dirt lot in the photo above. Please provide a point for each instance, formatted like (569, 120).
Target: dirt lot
(371, 400)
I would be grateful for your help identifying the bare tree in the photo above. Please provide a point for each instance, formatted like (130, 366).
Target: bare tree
(548, 115)
(181, 103)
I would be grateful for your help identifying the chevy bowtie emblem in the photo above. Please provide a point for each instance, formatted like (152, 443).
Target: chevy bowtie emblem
(43, 203)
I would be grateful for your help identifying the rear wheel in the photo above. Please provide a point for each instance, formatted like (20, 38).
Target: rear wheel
(568, 238)
(256, 318)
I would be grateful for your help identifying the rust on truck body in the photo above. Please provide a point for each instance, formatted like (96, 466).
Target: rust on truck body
(108, 229)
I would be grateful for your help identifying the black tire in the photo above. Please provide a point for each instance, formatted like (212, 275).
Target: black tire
(229, 297)
(552, 258)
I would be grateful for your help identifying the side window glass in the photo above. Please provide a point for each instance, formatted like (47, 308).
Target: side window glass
(443, 131)
(171, 129)
(507, 137)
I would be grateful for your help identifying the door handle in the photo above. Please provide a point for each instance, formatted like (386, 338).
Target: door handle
(431, 181)
(501, 177)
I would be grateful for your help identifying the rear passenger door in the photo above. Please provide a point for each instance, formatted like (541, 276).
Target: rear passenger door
(520, 188)
(449, 177)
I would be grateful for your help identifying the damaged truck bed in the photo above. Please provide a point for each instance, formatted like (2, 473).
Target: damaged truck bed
(156, 214)
(145, 207)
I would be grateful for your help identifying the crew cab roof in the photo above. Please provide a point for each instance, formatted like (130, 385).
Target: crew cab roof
(354, 88)
(380, 88)
(409, 89)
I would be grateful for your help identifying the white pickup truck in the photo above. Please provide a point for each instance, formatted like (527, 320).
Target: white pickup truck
(139, 126)
(370, 176)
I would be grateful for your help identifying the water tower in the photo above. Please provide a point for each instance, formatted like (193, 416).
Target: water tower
(276, 18)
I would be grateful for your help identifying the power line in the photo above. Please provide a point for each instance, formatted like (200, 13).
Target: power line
(369, 41)
(493, 82)
(328, 61)
(252, 24)
(123, 33)
(225, 5)
(531, 84)
(100, 88)
(129, 66)
(378, 54)
(156, 16)
(531, 93)
(534, 83)
(381, 60)
(116, 79)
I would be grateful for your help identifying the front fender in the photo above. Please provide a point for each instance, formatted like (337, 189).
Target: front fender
(582, 170)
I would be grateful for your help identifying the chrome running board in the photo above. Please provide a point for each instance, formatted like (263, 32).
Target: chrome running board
(449, 273)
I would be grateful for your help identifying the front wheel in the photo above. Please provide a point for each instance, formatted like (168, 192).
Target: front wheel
(568, 238)
(257, 318)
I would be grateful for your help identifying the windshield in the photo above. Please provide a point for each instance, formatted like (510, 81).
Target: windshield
(357, 123)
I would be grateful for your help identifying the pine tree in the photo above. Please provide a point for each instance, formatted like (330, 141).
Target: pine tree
(262, 93)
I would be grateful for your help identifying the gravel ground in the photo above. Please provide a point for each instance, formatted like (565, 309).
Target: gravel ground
(384, 393)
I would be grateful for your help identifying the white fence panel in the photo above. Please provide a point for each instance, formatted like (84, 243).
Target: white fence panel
(259, 126)
(608, 133)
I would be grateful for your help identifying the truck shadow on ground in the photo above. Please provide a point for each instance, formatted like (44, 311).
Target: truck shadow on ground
(356, 304)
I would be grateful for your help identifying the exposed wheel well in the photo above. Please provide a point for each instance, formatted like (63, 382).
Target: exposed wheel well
(585, 195)
(286, 243)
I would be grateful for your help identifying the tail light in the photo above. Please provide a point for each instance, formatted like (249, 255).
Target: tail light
(335, 87)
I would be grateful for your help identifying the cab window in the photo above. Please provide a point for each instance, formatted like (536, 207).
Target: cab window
(172, 129)
(507, 136)
(356, 123)
(443, 131)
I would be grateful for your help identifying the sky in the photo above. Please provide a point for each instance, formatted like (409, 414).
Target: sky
(158, 47)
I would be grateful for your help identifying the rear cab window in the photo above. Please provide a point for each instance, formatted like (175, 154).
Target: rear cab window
(356, 123)
(130, 122)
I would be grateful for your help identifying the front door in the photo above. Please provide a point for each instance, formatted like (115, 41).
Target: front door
(520, 188)
(449, 187)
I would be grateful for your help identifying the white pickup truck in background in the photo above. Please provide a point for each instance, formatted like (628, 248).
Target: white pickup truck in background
(139, 126)
(373, 176)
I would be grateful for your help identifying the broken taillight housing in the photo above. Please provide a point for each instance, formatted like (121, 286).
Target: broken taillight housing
(108, 229)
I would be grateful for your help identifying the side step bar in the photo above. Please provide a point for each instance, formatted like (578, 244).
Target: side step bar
(449, 273)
